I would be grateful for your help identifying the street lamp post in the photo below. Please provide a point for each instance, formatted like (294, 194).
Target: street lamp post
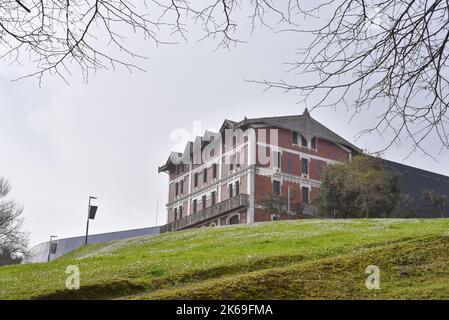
(91, 211)
(50, 249)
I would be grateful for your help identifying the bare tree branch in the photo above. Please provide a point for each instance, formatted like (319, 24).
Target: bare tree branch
(387, 55)
(384, 54)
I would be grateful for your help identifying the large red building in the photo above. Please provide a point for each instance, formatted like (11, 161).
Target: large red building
(220, 177)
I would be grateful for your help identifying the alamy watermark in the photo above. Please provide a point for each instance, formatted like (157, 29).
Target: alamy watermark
(72, 282)
(372, 282)
(230, 144)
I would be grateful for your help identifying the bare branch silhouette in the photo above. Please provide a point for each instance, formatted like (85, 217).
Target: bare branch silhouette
(384, 54)
(387, 55)
(58, 35)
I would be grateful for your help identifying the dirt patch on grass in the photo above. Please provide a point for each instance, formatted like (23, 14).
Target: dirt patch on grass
(96, 291)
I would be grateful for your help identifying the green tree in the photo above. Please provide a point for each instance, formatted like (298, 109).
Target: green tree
(436, 202)
(406, 207)
(277, 204)
(359, 188)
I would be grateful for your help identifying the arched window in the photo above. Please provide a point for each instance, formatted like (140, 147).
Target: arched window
(234, 220)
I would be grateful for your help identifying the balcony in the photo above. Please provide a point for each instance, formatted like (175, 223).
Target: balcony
(309, 210)
(237, 202)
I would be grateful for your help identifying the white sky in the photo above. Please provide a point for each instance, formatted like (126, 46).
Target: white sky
(61, 143)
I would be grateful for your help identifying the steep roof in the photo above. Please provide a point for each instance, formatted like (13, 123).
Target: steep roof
(304, 124)
(168, 163)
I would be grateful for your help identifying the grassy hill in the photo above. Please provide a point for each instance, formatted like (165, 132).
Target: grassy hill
(309, 259)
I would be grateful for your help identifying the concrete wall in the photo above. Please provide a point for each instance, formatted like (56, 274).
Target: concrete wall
(40, 252)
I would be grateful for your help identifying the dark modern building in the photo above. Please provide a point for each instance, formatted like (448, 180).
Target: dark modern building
(414, 182)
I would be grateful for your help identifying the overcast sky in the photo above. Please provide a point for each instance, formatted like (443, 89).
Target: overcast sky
(61, 143)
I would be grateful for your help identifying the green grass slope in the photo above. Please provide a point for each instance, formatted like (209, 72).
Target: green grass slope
(308, 259)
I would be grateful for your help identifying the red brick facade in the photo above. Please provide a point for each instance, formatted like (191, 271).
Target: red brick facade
(278, 161)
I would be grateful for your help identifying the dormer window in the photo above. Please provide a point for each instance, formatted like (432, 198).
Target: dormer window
(303, 142)
(313, 143)
(295, 137)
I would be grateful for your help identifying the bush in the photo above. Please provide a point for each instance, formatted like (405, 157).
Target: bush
(358, 188)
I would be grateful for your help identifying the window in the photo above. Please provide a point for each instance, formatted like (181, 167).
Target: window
(195, 180)
(176, 214)
(214, 171)
(180, 212)
(295, 137)
(303, 141)
(182, 186)
(313, 143)
(305, 195)
(204, 175)
(277, 159)
(176, 188)
(194, 205)
(203, 202)
(237, 159)
(231, 191)
(276, 187)
(231, 164)
(212, 197)
(234, 220)
(275, 217)
(234, 141)
(237, 188)
(305, 166)
(212, 152)
(178, 169)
